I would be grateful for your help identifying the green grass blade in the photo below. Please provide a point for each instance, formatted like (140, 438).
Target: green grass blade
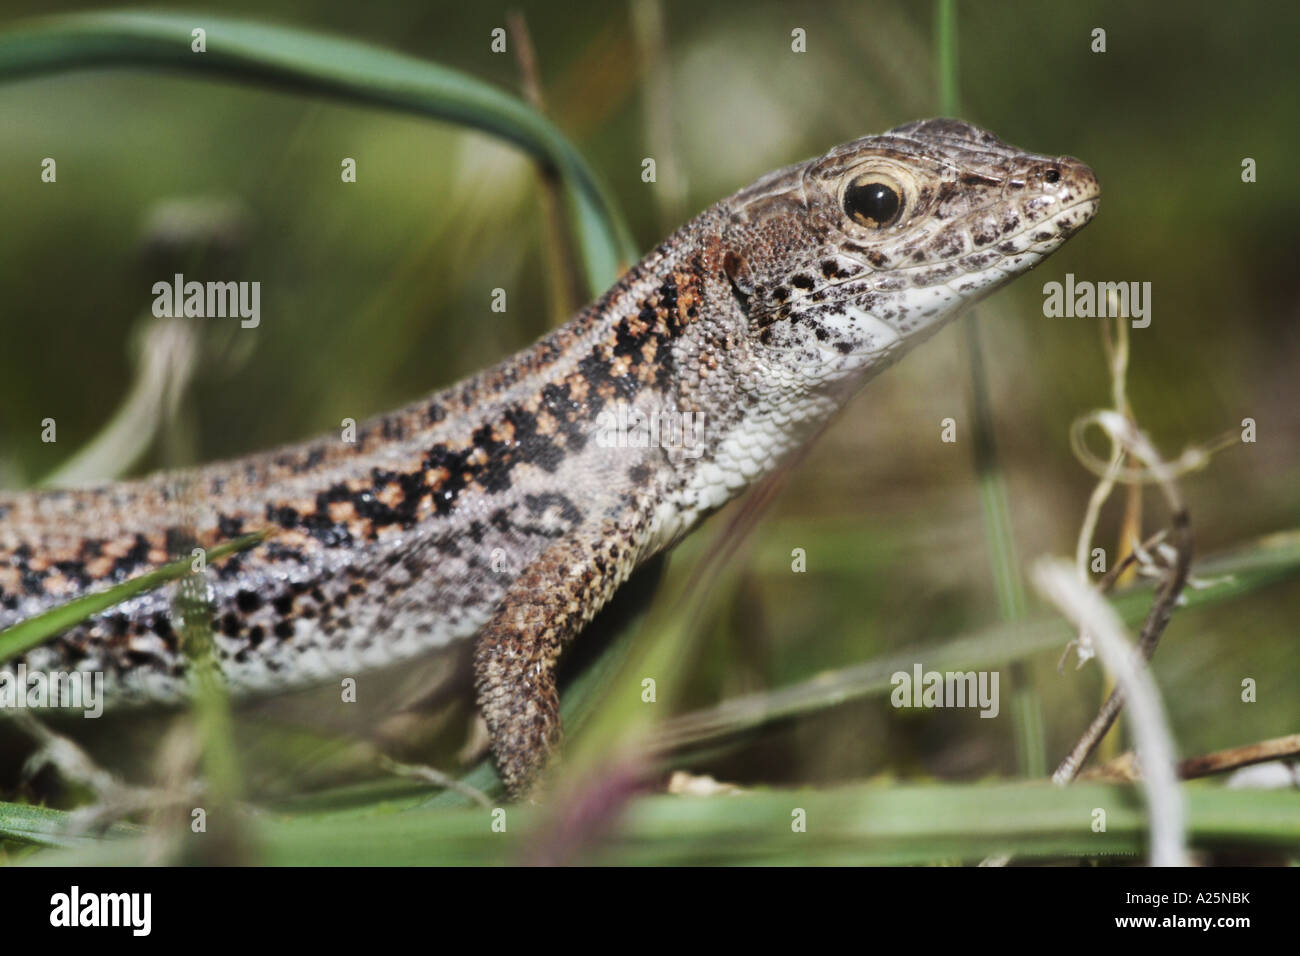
(25, 635)
(858, 824)
(1026, 705)
(331, 66)
(945, 44)
(41, 826)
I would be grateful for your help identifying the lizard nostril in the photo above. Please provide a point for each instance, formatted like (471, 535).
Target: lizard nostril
(1052, 175)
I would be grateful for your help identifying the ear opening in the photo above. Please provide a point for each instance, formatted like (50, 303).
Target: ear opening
(737, 271)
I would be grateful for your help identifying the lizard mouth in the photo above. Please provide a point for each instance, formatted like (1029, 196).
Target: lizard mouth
(1073, 185)
(1045, 235)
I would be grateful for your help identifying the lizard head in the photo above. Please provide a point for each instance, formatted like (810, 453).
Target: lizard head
(842, 263)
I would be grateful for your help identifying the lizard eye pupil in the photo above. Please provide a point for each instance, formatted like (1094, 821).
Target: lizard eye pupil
(871, 203)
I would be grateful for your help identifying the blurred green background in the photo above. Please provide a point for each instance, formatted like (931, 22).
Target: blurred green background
(378, 292)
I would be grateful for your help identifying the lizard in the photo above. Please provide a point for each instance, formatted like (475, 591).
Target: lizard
(504, 509)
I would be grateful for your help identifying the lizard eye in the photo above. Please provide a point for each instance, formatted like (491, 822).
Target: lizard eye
(872, 203)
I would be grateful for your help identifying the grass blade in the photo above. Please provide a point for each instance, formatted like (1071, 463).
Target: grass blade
(1231, 575)
(331, 66)
(25, 635)
(858, 825)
